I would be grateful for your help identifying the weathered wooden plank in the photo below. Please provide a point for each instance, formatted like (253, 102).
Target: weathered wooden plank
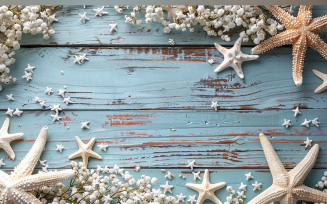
(162, 78)
(215, 140)
(96, 31)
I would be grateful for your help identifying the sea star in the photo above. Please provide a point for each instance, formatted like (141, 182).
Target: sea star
(167, 187)
(17, 187)
(242, 187)
(60, 148)
(322, 76)
(6, 138)
(192, 199)
(61, 93)
(103, 147)
(85, 125)
(83, 17)
(18, 112)
(191, 164)
(85, 151)
(296, 111)
(256, 186)
(249, 176)
(287, 123)
(10, 112)
(67, 100)
(307, 143)
(48, 91)
(315, 122)
(306, 123)
(113, 27)
(169, 175)
(29, 68)
(301, 31)
(196, 175)
(288, 187)
(233, 58)
(10, 98)
(27, 76)
(180, 197)
(99, 11)
(206, 190)
(81, 58)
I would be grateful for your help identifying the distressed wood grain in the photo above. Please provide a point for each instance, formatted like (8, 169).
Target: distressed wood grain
(162, 78)
(96, 31)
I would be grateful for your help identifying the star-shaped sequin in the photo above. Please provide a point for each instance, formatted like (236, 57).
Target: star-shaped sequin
(113, 27)
(83, 17)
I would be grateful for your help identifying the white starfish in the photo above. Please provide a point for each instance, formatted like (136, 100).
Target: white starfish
(43, 163)
(2, 163)
(287, 123)
(137, 168)
(256, 186)
(242, 187)
(171, 42)
(196, 175)
(249, 176)
(192, 199)
(306, 123)
(206, 190)
(56, 117)
(169, 175)
(113, 27)
(83, 17)
(10, 98)
(81, 58)
(56, 108)
(233, 58)
(210, 61)
(17, 112)
(6, 138)
(307, 143)
(167, 187)
(191, 164)
(37, 99)
(296, 111)
(85, 151)
(29, 68)
(215, 105)
(116, 169)
(48, 91)
(67, 100)
(10, 112)
(288, 187)
(52, 18)
(315, 122)
(19, 185)
(322, 76)
(99, 11)
(241, 194)
(103, 147)
(42, 103)
(60, 148)
(84, 125)
(180, 197)
(61, 93)
(27, 76)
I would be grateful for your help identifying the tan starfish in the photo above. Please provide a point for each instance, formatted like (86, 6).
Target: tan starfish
(322, 76)
(206, 190)
(288, 187)
(85, 151)
(301, 31)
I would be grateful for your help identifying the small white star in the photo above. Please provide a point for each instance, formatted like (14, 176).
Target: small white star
(315, 122)
(83, 17)
(1, 163)
(171, 42)
(191, 199)
(67, 100)
(215, 105)
(27, 76)
(256, 186)
(196, 175)
(296, 111)
(52, 18)
(210, 61)
(42, 103)
(191, 164)
(103, 147)
(17, 112)
(10, 112)
(56, 108)
(37, 99)
(80, 59)
(169, 175)
(116, 169)
(306, 123)
(287, 123)
(43, 162)
(113, 27)
(99, 11)
(241, 194)
(242, 187)
(56, 117)
(180, 197)
(29, 68)
(48, 91)
(167, 187)
(307, 143)
(10, 98)
(137, 168)
(249, 176)
(60, 148)
(85, 125)
(62, 93)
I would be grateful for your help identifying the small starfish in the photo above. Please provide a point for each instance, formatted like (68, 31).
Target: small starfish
(210, 61)
(56, 108)
(29, 68)
(27, 76)
(249, 176)
(56, 117)
(322, 76)
(62, 93)
(171, 42)
(242, 187)
(191, 164)
(287, 123)
(6, 138)
(234, 58)
(52, 18)
(84, 125)
(196, 175)
(83, 17)
(306, 123)
(307, 143)
(17, 112)
(167, 187)
(169, 175)
(192, 199)
(99, 11)
(48, 91)
(42, 103)
(315, 122)
(85, 151)
(60, 148)
(296, 111)
(10, 98)
(215, 105)
(67, 100)
(103, 147)
(113, 27)
(37, 99)
(116, 169)
(80, 59)
(1, 163)
(10, 112)
(256, 186)
(137, 168)
(43, 163)
(180, 197)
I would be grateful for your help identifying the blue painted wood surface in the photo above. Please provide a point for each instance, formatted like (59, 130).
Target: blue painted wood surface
(132, 96)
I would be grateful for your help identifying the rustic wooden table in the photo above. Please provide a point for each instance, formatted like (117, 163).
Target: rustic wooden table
(135, 87)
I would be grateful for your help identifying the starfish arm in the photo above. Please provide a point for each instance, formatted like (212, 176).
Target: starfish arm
(283, 38)
(319, 74)
(287, 19)
(206, 179)
(94, 154)
(322, 76)
(309, 194)
(275, 165)
(317, 43)
(318, 24)
(288, 200)
(27, 165)
(90, 144)
(196, 187)
(5, 126)
(215, 200)
(217, 186)
(79, 142)
(299, 50)
(226, 63)
(3, 181)
(273, 193)
(6, 146)
(305, 14)
(237, 45)
(11, 137)
(321, 88)
(298, 174)
(201, 198)
(237, 66)
(30, 183)
(221, 48)
(75, 154)
(244, 57)
(23, 197)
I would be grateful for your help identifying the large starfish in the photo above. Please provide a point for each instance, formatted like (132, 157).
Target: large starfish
(322, 76)
(301, 31)
(206, 189)
(288, 187)
(6, 138)
(16, 188)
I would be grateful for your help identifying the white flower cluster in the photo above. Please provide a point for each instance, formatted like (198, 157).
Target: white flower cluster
(16, 20)
(94, 186)
(232, 198)
(219, 20)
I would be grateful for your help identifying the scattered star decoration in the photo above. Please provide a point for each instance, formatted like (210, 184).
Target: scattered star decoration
(256, 186)
(306, 123)
(242, 187)
(67, 100)
(99, 11)
(27, 76)
(180, 197)
(296, 111)
(167, 187)
(210, 61)
(171, 42)
(113, 27)
(10, 112)
(48, 91)
(2, 163)
(249, 176)
(60, 148)
(10, 98)
(191, 164)
(322, 76)
(61, 93)
(18, 112)
(29, 68)
(287, 123)
(83, 17)
(85, 125)
(196, 175)
(192, 199)
(315, 122)
(103, 147)
(80, 59)
(307, 143)
(215, 105)
(169, 175)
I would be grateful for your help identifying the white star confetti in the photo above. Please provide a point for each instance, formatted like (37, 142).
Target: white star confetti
(169, 175)
(306, 123)
(296, 111)
(60, 148)
(83, 17)
(249, 176)
(67, 100)
(10, 112)
(43, 162)
(191, 164)
(256, 186)
(99, 11)
(1, 163)
(80, 59)
(27, 76)
(196, 175)
(62, 93)
(180, 197)
(307, 143)
(29, 68)
(215, 105)
(315, 122)
(10, 98)
(85, 125)
(192, 199)
(287, 123)
(137, 168)
(171, 42)
(210, 61)
(113, 27)
(48, 91)
(103, 147)
(242, 187)
(167, 187)
(17, 112)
